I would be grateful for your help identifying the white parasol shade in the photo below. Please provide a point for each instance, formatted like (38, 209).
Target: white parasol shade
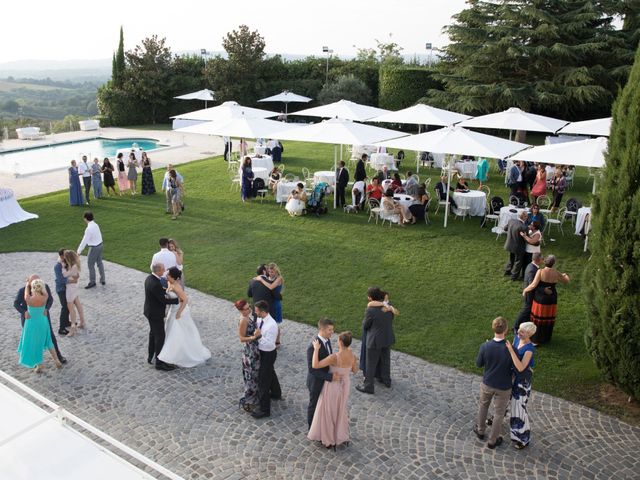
(225, 111)
(287, 97)
(581, 153)
(599, 127)
(422, 114)
(456, 140)
(205, 95)
(515, 119)
(340, 132)
(343, 109)
(240, 127)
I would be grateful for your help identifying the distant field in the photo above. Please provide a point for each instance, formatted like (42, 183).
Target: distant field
(8, 86)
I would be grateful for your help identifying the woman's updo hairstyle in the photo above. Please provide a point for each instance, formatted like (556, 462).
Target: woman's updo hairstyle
(37, 287)
(345, 338)
(175, 273)
(240, 304)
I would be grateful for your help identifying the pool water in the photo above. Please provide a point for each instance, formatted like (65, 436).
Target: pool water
(54, 157)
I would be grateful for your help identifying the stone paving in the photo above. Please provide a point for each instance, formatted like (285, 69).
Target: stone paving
(188, 420)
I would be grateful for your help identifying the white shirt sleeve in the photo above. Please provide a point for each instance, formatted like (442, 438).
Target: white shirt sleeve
(267, 342)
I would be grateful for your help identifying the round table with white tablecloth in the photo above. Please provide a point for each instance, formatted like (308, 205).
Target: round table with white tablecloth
(327, 176)
(10, 210)
(467, 168)
(507, 213)
(259, 149)
(283, 190)
(358, 150)
(379, 160)
(264, 161)
(581, 220)
(403, 199)
(474, 199)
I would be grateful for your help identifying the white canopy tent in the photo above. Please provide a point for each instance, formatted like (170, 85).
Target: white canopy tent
(599, 127)
(205, 95)
(515, 119)
(455, 140)
(339, 131)
(343, 109)
(286, 97)
(225, 111)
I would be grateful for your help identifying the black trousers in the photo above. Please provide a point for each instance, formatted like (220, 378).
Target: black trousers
(375, 356)
(87, 188)
(268, 384)
(227, 150)
(340, 194)
(53, 337)
(313, 402)
(156, 338)
(64, 311)
(525, 313)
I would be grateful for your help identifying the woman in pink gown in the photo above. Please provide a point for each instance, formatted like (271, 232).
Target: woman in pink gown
(331, 421)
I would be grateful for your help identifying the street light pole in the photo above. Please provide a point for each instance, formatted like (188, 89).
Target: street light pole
(328, 51)
(429, 46)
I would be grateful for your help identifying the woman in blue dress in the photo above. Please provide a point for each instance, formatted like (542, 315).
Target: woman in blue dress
(482, 171)
(274, 281)
(75, 190)
(522, 355)
(96, 178)
(36, 333)
(247, 179)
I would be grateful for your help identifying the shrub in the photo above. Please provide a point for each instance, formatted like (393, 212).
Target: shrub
(401, 87)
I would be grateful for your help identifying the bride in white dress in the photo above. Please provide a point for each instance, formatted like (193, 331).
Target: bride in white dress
(182, 344)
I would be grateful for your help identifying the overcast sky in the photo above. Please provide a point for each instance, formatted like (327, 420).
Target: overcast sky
(72, 29)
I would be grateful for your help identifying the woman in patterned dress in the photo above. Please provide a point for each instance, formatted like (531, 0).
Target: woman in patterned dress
(96, 178)
(148, 187)
(132, 172)
(249, 334)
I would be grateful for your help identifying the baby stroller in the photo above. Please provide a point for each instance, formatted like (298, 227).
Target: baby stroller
(316, 204)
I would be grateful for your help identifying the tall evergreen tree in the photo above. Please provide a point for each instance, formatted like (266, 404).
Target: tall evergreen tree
(613, 275)
(119, 63)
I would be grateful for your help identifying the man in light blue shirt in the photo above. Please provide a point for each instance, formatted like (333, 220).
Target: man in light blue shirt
(167, 190)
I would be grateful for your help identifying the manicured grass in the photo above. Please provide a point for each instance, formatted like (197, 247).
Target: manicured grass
(447, 283)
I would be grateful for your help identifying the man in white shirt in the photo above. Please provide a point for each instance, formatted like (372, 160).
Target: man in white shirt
(93, 239)
(167, 190)
(84, 170)
(166, 257)
(268, 384)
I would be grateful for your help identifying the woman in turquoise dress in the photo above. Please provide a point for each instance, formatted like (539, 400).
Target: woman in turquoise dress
(482, 171)
(75, 190)
(36, 333)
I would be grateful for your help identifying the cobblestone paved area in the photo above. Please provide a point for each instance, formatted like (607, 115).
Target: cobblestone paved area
(188, 420)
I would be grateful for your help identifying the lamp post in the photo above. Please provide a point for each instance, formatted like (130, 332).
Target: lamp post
(429, 46)
(328, 51)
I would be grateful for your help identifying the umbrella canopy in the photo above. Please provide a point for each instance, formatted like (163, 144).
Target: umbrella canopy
(343, 109)
(206, 95)
(240, 127)
(287, 97)
(340, 132)
(422, 114)
(599, 127)
(581, 153)
(516, 119)
(226, 111)
(456, 140)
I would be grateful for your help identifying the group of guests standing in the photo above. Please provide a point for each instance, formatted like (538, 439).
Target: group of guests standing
(531, 180)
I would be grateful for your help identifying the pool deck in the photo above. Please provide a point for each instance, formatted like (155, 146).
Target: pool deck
(184, 147)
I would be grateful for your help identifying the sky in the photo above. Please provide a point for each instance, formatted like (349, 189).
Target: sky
(72, 29)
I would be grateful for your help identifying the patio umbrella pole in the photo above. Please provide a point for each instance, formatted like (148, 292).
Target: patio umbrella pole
(335, 168)
(446, 207)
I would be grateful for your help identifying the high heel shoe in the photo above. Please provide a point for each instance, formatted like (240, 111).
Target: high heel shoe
(72, 330)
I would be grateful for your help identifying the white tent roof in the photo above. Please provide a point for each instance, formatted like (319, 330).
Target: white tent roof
(599, 127)
(226, 111)
(343, 109)
(582, 153)
(422, 114)
(515, 119)
(286, 97)
(339, 131)
(455, 140)
(206, 95)
(240, 127)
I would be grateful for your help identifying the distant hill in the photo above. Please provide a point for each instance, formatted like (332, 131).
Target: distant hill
(74, 70)
(8, 86)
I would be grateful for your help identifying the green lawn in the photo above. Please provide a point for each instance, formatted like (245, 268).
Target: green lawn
(447, 283)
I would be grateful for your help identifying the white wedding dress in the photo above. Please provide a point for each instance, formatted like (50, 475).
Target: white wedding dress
(182, 344)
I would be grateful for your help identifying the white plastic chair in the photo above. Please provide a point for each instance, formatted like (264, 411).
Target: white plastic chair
(374, 209)
(558, 221)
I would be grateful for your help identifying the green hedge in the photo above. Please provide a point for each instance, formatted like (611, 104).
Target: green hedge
(401, 87)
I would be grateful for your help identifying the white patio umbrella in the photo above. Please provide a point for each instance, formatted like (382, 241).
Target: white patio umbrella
(422, 114)
(515, 119)
(343, 109)
(339, 132)
(287, 97)
(599, 127)
(239, 127)
(206, 95)
(225, 111)
(455, 140)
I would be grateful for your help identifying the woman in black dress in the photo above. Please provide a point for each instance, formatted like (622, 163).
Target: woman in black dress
(107, 170)
(417, 209)
(148, 187)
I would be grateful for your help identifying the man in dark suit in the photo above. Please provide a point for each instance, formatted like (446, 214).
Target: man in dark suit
(361, 172)
(342, 180)
(379, 326)
(515, 245)
(21, 306)
(155, 303)
(527, 300)
(259, 292)
(317, 376)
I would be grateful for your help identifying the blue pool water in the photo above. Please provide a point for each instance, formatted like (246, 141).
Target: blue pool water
(53, 157)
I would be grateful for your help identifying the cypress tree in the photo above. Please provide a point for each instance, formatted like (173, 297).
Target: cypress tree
(118, 63)
(612, 277)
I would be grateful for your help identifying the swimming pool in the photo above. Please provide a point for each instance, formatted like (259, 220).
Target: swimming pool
(57, 156)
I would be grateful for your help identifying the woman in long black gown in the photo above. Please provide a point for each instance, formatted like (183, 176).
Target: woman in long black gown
(148, 187)
(107, 171)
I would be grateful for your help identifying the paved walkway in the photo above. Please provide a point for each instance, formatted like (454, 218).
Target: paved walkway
(188, 420)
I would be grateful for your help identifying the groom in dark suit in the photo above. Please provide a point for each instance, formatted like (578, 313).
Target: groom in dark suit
(257, 291)
(317, 376)
(155, 302)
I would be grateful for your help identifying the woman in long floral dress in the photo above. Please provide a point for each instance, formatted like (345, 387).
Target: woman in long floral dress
(249, 334)
(148, 187)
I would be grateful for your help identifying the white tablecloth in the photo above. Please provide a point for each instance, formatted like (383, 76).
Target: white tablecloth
(259, 149)
(581, 218)
(265, 161)
(10, 210)
(507, 213)
(467, 169)
(327, 176)
(475, 200)
(379, 160)
(258, 172)
(358, 150)
(404, 199)
(283, 190)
